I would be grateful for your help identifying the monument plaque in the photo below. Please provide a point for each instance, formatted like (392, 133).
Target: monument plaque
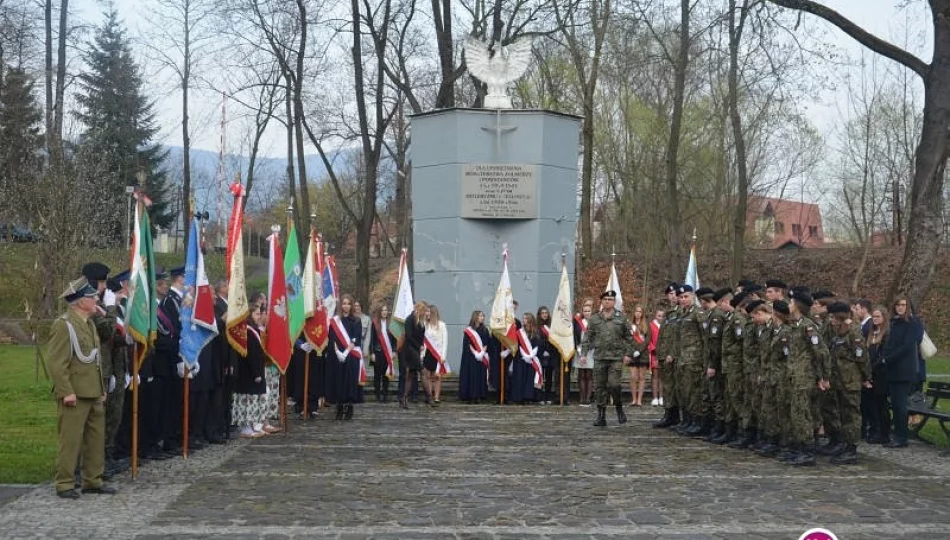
(499, 191)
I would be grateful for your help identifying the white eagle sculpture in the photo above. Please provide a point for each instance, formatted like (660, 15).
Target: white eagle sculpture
(496, 66)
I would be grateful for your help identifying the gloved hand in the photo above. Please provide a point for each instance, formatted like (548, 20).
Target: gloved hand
(128, 381)
(194, 371)
(181, 369)
(108, 298)
(112, 384)
(636, 354)
(150, 379)
(306, 347)
(341, 355)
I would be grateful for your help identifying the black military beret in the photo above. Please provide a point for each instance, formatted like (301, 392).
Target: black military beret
(775, 284)
(721, 293)
(180, 271)
(753, 305)
(704, 292)
(95, 271)
(839, 307)
(609, 294)
(802, 296)
(781, 306)
(683, 289)
(821, 295)
(745, 283)
(671, 287)
(799, 289)
(738, 299)
(754, 288)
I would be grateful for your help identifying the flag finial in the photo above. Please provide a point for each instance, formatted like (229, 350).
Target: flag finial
(694, 235)
(275, 229)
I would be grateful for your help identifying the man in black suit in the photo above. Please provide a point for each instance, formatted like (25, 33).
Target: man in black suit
(861, 310)
(168, 366)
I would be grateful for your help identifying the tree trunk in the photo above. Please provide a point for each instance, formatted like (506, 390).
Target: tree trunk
(60, 84)
(442, 16)
(303, 213)
(736, 25)
(675, 237)
(288, 113)
(925, 227)
(48, 60)
(185, 138)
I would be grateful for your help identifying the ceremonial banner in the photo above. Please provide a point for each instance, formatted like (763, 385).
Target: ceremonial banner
(692, 274)
(403, 304)
(315, 326)
(614, 284)
(329, 286)
(277, 344)
(236, 318)
(502, 322)
(142, 314)
(561, 334)
(293, 274)
(198, 324)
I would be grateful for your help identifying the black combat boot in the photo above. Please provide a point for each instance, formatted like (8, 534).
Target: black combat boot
(385, 390)
(685, 424)
(601, 417)
(670, 418)
(743, 439)
(719, 428)
(727, 436)
(770, 448)
(348, 412)
(760, 441)
(803, 459)
(834, 447)
(339, 411)
(618, 404)
(787, 453)
(700, 427)
(848, 457)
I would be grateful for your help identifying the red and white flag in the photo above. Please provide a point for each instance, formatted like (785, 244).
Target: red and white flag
(315, 327)
(502, 321)
(277, 343)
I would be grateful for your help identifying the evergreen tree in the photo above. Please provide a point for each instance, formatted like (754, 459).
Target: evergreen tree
(21, 143)
(120, 127)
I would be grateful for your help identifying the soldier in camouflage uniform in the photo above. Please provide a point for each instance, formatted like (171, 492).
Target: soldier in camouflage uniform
(775, 352)
(754, 334)
(714, 386)
(850, 372)
(665, 361)
(690, 376)
(609, 333)
(730, 366)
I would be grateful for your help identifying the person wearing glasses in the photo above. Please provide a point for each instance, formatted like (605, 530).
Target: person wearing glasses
(900, 354)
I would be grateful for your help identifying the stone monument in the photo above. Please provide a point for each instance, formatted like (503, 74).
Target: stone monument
(483, 178)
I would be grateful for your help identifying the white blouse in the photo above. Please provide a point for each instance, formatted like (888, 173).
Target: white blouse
(439, 337)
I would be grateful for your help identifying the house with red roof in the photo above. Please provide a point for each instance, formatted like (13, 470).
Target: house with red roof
(781, 223)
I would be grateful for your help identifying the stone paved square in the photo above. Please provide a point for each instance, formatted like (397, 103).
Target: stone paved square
(491, 472)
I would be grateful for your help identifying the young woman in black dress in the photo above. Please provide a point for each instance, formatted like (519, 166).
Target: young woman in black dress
(473, 369)
(383, 347)
(346, 356)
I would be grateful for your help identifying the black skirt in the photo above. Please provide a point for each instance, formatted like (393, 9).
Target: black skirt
(429, 363)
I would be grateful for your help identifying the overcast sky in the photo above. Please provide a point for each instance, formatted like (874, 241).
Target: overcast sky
(881, 17)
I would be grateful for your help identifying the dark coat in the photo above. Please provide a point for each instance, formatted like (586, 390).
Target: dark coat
(343, 378)
(414, 335)
(251, 368)
(472, 373)
(901, 349)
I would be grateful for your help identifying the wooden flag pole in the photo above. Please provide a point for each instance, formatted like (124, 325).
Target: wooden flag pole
(501, 384)
(135, 411)
(184, 429)
(562, 382)
(306, 386)
(283, 402)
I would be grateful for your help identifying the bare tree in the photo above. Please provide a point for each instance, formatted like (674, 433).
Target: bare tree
(55, 82)
(925, 228)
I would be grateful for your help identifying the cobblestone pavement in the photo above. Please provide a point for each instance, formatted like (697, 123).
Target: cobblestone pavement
(489, 472)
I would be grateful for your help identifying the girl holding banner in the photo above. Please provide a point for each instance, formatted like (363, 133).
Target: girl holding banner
(473, 370)
(345, 370)
(410, 353)
(383, 347)
(436, 352)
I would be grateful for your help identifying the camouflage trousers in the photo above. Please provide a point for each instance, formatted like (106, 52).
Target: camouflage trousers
(849, 414)
(691, 387)
(716, 396)
(826, 406)
(607, 375)
(769, 410)
(733, 397)
(752, 397)
(114, 405)
(799, 425)
(668, 381)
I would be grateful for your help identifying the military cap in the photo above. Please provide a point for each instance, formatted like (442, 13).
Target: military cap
(608, 294)
(705, 292)
(161, 273)
(839, 307)
(738, 299)
(671, 288)
(775, 284)
(821, 295)
(113, 284)
(79, 288)
(781, 306)
(175, 272)
(721, 293)
(95, 271)
(754, 288)
(683, 289)
(123, 276)
(745, 283)
(754, 305)
(800, 295)
(799, 289)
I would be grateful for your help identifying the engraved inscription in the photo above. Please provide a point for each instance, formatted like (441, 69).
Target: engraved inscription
(499, 191)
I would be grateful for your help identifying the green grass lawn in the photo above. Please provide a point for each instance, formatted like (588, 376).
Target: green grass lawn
(27, 419)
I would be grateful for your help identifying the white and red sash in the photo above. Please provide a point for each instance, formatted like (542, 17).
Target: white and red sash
(442, 367)
(476, 346)
(654, 335)
(336, 326)
(637, 336)
(581, 321)
(530, 355)
(382, 333)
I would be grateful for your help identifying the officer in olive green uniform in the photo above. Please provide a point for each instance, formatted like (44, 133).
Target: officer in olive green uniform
(757, 348)
(713, 387)
(849, 373)
(665, 343)
(730, 367)
(609, 333)
(74, 366)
